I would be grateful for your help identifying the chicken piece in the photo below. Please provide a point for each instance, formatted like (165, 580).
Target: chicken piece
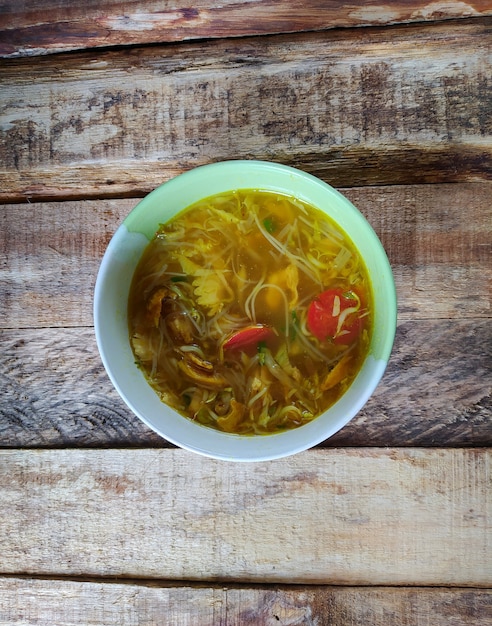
(142, 347)
(180, 328)
(231, 421)
(200, 371)
(198, 363)
(223, 403)
(337, 374)
(286, 281)
(159, 301)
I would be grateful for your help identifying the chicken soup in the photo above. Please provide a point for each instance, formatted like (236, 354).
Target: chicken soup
(250, 312)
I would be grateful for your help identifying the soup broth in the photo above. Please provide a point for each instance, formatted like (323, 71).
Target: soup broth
(250, 312)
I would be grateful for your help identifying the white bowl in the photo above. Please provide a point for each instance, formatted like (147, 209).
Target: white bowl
(124, 252)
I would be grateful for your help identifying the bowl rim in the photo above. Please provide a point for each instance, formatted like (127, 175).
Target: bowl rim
(124, 251)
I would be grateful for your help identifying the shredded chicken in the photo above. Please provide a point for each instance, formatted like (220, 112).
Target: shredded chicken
(286, 280)
(230, 422)
(337, 374)
(210, 291)
(142, 347)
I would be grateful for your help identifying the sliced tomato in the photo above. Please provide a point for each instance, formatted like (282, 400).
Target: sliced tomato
(349, 332)
(334, 315)
(320, 321)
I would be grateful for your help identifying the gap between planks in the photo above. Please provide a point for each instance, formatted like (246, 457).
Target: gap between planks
(24, 601)
(166, 583)
(71, 27)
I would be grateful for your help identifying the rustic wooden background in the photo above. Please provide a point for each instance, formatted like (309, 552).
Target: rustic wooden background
(389, 521)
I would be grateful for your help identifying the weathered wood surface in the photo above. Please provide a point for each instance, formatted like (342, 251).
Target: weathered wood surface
(407, 104)
(437, 391)
(45, 26)
(68, 603)
(438, 239)
(360, 108)
(352, 516)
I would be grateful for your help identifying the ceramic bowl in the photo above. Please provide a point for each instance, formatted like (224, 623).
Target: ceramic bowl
(113, 284)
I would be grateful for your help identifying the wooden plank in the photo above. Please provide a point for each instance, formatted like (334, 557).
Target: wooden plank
(48, 26)
(438, 239)
(435, 392)
(55, 392)
(51, 255)
(358, 517)
(29, 602)
(356, 107)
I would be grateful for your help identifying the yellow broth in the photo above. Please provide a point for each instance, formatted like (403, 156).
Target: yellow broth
(250, 312)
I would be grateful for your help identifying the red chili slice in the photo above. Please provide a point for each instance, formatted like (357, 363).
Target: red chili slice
(249, 336)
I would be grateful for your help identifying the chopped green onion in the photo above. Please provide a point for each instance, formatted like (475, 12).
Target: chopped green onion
(261, 352)
(269, 225)
(293, 327)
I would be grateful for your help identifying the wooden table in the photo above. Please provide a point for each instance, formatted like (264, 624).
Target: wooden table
(103, 522)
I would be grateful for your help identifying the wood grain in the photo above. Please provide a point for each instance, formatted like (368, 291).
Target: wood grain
(404, 104)
(437, 391)
(372, 516)
(51, 26)
(26, 602)
(438, 239)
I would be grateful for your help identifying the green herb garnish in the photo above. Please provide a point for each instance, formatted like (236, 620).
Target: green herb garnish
(269, 225)
(261, 352)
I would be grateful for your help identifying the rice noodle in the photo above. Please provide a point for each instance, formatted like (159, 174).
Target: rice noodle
(310, 347)
(343, 316)
(315, 262)
(324, 230)
(301, 263)
(257, 396)
(299, 205)
(275, 369)
(342, 258)
(247, 304)
(192, 348)
(286, 230)
(254, 295)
